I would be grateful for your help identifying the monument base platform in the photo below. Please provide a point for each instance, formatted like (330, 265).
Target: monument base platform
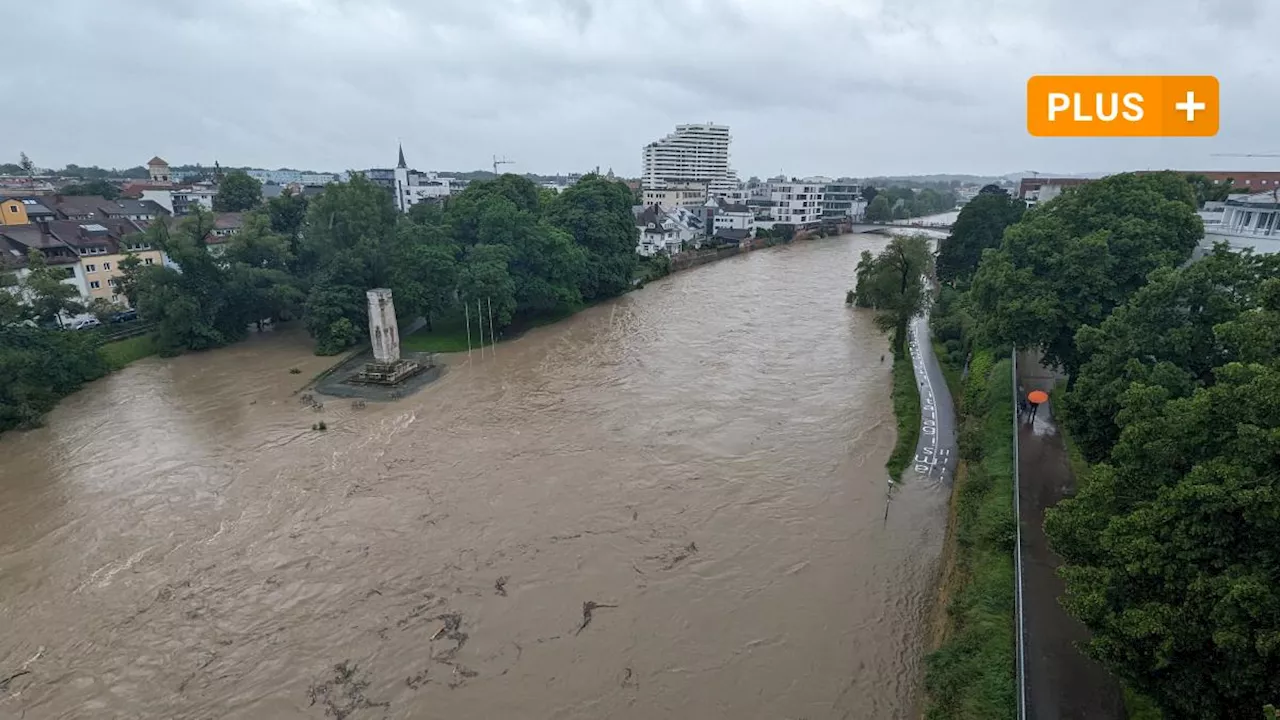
(386, 373)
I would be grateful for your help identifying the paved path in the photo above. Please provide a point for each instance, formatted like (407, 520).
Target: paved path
(936, 450)
(1062, 683)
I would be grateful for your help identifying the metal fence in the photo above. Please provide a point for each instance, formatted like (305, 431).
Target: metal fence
(1017, 553)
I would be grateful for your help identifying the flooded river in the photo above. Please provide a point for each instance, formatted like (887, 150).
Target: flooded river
(672, 505)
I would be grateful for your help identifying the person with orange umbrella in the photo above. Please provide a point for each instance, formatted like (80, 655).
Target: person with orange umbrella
(1035, 397)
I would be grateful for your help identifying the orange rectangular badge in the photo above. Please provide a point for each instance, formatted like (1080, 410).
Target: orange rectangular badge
(1122, 105)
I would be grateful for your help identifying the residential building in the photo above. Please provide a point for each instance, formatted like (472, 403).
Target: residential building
(658, 234)
(1243, 180)
(226, 224)
(668, 230)
(410, 187)
(734, 216)
(690, 195)
(13, 211)
(285, 176)
(96, 207)
(841, 201)
(102, 246)
(691, 154)
(1038, 190)
(17, 242)
(1247, 221)
(183, 200)
(797, 203)
(158, 170)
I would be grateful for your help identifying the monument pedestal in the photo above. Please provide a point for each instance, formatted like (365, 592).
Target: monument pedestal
(387, 367)
(382, 373)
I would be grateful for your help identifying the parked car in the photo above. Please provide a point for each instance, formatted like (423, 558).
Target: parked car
(125, 316)
(82, 323)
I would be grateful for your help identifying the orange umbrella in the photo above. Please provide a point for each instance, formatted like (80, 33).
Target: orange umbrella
(1035, 397)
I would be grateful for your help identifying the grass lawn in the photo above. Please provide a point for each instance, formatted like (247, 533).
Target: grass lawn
(449, 332)
(971, 676)
(122, 352)
(906, 407)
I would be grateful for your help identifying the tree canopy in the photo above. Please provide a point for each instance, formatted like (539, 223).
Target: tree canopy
(893, 283)
(237, 191)
(1166, 335)
(879, 210)
(101, 188)
(1071, 261)
(980, 226)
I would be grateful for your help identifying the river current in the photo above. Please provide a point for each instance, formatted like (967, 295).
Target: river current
(671, 505)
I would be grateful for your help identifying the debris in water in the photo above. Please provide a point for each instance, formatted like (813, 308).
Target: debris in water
(4, 684)
(295, 371)
(439, 632)
(588, 609)
(343, 694)
(500, 585)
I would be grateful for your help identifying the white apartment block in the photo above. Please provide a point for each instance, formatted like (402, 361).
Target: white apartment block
(691, 154)
(796, 203)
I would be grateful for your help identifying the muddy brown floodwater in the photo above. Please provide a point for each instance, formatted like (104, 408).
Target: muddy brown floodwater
(671, 505)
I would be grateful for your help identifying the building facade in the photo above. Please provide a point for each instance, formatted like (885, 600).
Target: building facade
(841, 201)
(691, 154)
(690, 195)
(1249, 221)
(796, 203)
(158, 170)
(410, 187)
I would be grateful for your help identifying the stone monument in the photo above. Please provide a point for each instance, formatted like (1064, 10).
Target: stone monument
(387, 367)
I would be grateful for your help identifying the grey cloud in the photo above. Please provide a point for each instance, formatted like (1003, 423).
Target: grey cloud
(856, 87)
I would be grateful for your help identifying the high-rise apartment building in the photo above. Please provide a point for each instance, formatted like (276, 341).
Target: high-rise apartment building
(691, 154)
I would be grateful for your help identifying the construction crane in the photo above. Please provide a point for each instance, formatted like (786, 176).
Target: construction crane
(500, 161)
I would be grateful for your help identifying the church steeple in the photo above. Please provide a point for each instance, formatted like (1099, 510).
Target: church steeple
(402, 162)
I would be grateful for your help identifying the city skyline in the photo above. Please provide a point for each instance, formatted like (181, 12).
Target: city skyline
(860, 88)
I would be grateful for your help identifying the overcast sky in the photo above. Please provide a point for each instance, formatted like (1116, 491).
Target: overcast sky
(833, 87)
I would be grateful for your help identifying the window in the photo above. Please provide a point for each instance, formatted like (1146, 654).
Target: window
(113, 282)
(146, 261)
(95, 284)
(13, 208)
(106, 266)
(91, 268)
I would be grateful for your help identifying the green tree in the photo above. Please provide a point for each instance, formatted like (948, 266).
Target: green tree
(101, 188)
(878, 209)
(893, 283)
(869, 193)
(979, 226)
(335, 306)
(258, 245)
(1207, 190)
(12, 309)
(597, 213)
(237, 191)
(1166, 336)
(49, 297)
(1170, 548)
(1071, 261)
(485, 278)
(39, 367)
(288, 212)
(193, 307)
